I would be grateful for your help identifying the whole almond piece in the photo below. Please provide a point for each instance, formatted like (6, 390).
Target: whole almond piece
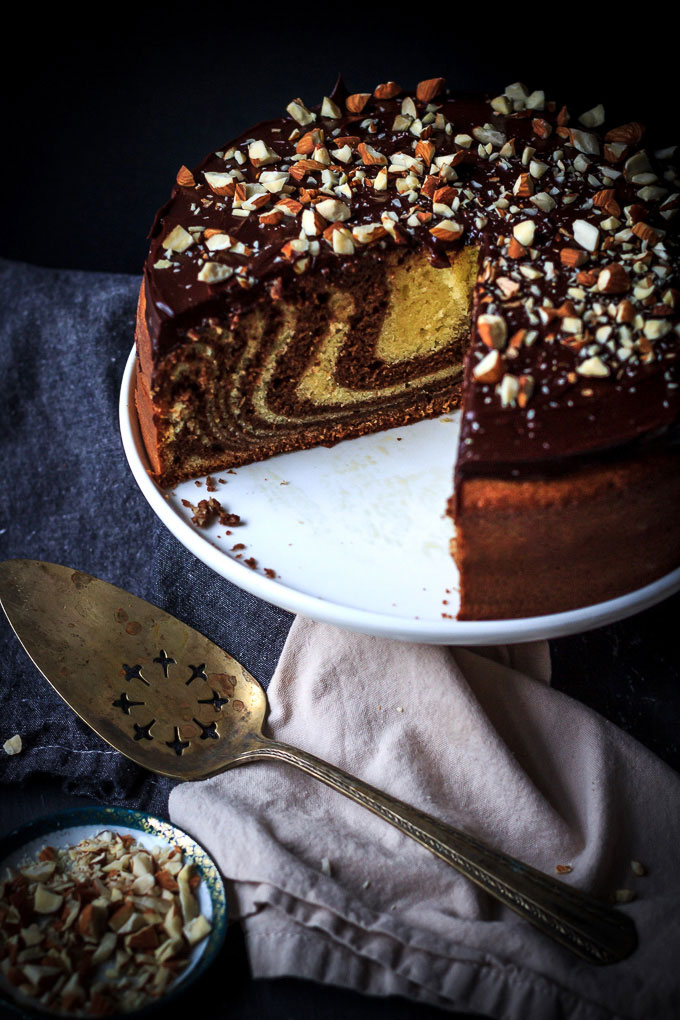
(185, 178)
(428, 89)
(309, 141)
(626, 134)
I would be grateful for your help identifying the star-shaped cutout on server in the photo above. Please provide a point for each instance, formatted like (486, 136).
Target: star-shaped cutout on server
(125, 704)
(209, 731)
(177, 745)
(197, 673)
(134, 673)
(216, 701)
(165, 661)
(144, 732)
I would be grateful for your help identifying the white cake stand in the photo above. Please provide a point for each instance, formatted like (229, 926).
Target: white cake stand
(356, 536)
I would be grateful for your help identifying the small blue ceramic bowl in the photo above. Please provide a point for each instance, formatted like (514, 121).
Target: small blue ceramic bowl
(66, 828)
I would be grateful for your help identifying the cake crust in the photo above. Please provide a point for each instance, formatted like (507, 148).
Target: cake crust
(549, 545)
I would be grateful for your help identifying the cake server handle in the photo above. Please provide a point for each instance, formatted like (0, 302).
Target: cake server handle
(593, 930)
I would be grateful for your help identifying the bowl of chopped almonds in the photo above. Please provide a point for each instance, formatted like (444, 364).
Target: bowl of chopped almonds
(104, 911)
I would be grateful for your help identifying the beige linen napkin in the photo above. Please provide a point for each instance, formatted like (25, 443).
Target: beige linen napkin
(329, 892)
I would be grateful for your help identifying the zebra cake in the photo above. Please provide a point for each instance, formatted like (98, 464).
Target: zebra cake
(391, 256)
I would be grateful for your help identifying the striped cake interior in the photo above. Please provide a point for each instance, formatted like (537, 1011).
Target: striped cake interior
(327, 362)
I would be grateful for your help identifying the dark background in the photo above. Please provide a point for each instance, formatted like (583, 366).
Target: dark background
(102, 106)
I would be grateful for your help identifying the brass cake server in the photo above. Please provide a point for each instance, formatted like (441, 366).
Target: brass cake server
(175, 703)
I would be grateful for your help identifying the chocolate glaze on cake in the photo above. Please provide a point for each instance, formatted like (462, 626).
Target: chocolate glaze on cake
(572, 359)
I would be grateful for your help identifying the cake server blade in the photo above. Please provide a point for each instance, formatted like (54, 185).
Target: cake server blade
(143, 680)
(175, 703)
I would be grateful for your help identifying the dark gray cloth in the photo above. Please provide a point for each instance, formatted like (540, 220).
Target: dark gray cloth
(67, 496)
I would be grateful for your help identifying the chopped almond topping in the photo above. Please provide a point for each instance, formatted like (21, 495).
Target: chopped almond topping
(516, 250)
(586, 234)
(613, 279)
(524, 232)
(447, 230)
(387, 91)
(645, 232)
(626, 134)
(429, 89)
(568, 213)
(572, 257)
(332, 209)
(185, 178)
(541, 128)
(300, 113)
(493, 331)
(357, 102)
(106, 900)
(220, 184)
(490, 369)
(330, 110)
(370, 155)
(425, 150)
(178, 240)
